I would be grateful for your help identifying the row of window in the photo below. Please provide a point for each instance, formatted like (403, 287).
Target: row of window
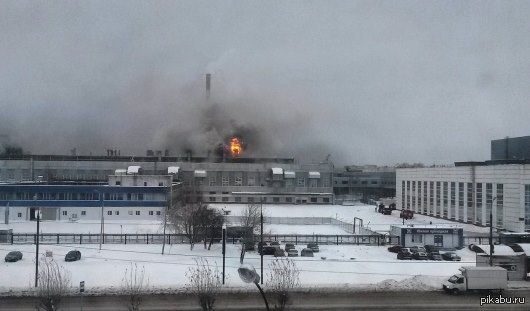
(79, 196)
(264, 200)
(442, 199)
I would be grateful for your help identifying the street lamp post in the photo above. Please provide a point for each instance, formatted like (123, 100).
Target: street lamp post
(248, 274)
(261, 237)
(37, 250)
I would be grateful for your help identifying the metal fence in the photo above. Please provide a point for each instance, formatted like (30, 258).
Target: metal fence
(61, 238)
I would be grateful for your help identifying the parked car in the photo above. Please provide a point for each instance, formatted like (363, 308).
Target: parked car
(275, 244)
(313, 247)
(72, 256)
(279, 253)
(451, 256)
(268, 250)
(434, 256)
(292, 253)
(261, 245)
(475, 248)
(306, 252)
(432, 249)
(419, 256)
(13, 256)
(289, 246)
(404, 253)
(394, 248)
(407, 214)
(416, 249)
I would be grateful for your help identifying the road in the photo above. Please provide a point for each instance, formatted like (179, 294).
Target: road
(301, 301)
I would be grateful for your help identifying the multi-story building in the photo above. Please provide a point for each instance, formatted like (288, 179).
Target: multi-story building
(125, 197)
(469, 192)
(364, 183)
(226, 180)
(515, 148)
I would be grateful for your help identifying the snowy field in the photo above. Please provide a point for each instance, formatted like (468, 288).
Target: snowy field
(336, 266)
(344, 266)
(374, 221)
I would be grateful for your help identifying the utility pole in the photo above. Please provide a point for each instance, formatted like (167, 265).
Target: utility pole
(37, 250)
(261, 236)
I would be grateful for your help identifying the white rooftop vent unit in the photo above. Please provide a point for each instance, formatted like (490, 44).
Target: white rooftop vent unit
(120, 171)
(314, 174)
(277, 171)
(289, 174)
(134, 170)
(199, 173)
(173, 170)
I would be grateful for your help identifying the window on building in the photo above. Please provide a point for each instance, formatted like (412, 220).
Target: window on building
(453, 200)
(130, 212)
(417, 238)
(211, 181)
(140, 196)
(527, 207)
(275, 199)
(445, 201)
(251, 180)
(489, 202)
(344, 182)
(251, 200)
(151, 213)
(145, 183)
(19, 215)
(239, 180)
(438, 240)
(500, 206)
(225, 199)
(83, 213)
(479, 215)
(109, 213)
(313, 182)
(238, 199)
(301, 182)
(225, 181)
(118, 183)
(289, 200)
(65, 213)
(161, 184)
(117, 213)
(137, 213)
(212, 199)
(325, 200)
(470, 208)
(158, 213)
(313, 200)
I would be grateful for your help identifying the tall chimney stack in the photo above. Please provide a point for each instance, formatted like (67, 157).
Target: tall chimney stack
(208, 85)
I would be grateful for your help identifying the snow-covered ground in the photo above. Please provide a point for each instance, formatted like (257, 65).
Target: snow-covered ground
(344, 266)
(336, 266)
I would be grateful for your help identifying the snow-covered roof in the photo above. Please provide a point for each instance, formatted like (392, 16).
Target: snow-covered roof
(498, 250)
(134, 169)
(199, 173)
(314, 174)
(173, 170)
(120, 171)
(277, 171)
(289, 174)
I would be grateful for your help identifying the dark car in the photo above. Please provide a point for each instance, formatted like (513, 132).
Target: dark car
(13, 256)
(279, 253)
(313, 247)
(432, 249)
(261, 245)
(416, 249)
(292, 253)
(275, 244)
(72, 256)
(394, 248)
(404, 253)
(419, 256)
(434, 256)
(269, 250)
(289, 247)
(306, 252)
(450, 256)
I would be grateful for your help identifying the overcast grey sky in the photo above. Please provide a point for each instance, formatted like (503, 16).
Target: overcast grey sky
(377, 82)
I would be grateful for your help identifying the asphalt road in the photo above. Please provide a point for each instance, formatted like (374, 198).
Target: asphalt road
(300, 301)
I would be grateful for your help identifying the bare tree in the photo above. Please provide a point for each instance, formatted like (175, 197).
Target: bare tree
(53, 285)
(283, 277)
(133, 285)
(251, 216)
(205, 282)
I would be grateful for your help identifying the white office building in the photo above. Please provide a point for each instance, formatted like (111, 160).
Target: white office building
(469, 192)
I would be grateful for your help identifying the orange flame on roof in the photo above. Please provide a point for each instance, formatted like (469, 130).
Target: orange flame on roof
(235, 147)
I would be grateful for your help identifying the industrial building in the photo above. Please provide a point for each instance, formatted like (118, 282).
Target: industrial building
(228, 180)
(515, 148)
(469, 192)
(363, 183)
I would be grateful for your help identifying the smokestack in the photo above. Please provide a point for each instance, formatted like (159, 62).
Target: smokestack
(208, 85)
